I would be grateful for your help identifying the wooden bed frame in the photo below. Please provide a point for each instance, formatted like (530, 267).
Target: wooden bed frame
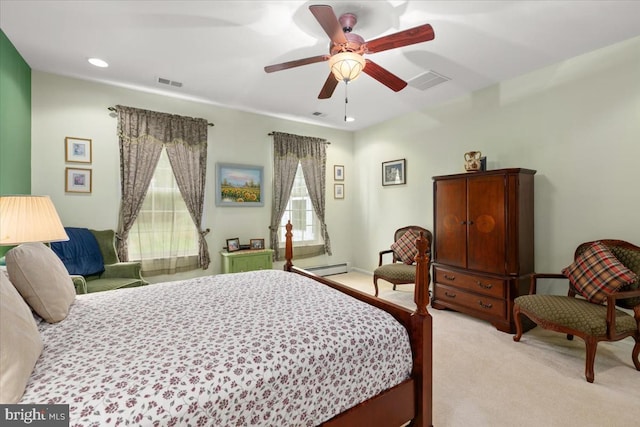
(411, 400)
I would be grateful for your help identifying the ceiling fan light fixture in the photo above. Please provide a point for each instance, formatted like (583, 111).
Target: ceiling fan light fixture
(346, 66)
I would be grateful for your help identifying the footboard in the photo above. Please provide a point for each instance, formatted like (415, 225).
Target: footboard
(410, 400)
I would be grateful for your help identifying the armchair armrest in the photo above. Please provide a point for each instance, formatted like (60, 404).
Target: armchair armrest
(80, 284)
(611, 309)
(535, 276)
(130, 269)
(387, 251)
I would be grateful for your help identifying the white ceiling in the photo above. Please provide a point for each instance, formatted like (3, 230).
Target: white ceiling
(218, 49)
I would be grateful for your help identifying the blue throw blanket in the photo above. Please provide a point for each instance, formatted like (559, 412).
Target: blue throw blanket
(81, 253)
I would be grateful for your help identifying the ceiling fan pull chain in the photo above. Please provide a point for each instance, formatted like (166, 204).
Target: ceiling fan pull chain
(346, 99)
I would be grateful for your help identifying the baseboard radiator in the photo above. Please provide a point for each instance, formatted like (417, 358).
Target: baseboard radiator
(328, 270)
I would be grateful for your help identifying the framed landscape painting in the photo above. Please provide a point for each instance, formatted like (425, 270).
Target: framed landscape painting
(239, 185)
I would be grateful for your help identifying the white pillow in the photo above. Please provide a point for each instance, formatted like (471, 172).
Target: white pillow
(20, 343)
(42, 280)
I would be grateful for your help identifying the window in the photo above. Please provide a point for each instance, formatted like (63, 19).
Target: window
(164, 228)
(306, 226)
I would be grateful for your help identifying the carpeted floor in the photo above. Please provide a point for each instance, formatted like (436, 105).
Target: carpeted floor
(483, 378)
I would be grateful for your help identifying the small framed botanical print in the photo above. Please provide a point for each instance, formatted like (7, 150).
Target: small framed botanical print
(338, 173)
(338, 191)
(77, 180)
(77, 150)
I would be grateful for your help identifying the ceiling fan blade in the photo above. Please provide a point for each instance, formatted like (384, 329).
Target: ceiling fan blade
(329, 23)
(296, 63)
(420, 34)
(385, 77)
(328, 88)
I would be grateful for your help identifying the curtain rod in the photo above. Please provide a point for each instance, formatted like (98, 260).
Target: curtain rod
(271, 134)
(114, 109)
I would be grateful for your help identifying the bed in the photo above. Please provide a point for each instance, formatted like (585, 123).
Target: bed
(267, 348)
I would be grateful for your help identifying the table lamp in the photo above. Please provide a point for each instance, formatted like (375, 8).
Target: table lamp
(25, 219)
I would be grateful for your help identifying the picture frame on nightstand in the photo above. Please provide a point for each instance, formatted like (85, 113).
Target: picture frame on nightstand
(233, 244)
(256, 243)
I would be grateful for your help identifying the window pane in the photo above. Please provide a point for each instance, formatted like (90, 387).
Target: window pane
(164, 228)
(300, 211)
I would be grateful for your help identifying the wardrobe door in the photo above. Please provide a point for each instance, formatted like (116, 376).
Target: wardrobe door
(486, 223)
(450, 222)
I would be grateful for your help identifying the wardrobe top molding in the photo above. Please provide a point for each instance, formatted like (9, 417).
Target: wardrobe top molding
(489, 172)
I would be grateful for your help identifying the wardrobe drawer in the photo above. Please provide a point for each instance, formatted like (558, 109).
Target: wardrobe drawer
(454, 296)
(476, 283)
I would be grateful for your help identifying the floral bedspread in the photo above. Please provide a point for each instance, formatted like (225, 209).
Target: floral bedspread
(265, 348)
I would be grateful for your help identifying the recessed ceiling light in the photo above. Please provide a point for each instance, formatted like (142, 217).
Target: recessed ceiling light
(98, 62)
(349, 119)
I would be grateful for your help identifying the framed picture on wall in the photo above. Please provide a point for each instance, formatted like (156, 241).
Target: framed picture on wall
(338, 191)
(394, 172)
(338, 173)
(77, 150)
(239, 185)
(77, 180)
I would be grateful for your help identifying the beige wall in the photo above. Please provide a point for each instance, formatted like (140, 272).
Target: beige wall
(577, 123)
(65, 106)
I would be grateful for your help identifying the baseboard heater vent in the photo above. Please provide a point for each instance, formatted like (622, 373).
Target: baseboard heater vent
(328, 270)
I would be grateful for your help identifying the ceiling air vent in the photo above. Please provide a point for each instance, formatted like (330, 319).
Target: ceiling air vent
(427, 80)
(169, 82)
(318, 114)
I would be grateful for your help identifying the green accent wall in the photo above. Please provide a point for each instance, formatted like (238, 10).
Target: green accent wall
(15, 122)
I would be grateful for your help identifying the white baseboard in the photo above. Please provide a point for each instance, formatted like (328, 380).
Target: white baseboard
(328, 270)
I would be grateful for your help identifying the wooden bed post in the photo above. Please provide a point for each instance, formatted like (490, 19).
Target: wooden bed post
(422, 326)
(288, 252)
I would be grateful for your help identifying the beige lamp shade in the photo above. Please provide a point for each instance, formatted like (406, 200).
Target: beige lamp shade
(346, 66)
(26, 219)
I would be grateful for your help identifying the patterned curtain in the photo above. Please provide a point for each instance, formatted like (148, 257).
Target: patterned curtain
(142, 135)
(313, 164)
(289, 150)
(189, 164)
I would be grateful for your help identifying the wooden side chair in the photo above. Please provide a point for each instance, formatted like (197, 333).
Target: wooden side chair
(402, 269)
(604, 274)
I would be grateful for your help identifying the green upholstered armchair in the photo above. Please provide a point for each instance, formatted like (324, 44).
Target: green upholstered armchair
(401, 270)
(112, 274)
(591, 321)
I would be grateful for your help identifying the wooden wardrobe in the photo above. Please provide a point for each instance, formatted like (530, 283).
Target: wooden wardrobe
(483, 242)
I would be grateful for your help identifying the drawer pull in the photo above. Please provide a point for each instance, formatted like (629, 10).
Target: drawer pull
(483, 286)
(449, 295)
(446, 276)
(485, 305)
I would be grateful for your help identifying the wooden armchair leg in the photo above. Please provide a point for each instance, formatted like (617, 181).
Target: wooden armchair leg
(375, 284)
(592, 346)
(518, 322)
(636, 353)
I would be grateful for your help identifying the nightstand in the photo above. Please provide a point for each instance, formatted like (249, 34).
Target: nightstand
(246, 260)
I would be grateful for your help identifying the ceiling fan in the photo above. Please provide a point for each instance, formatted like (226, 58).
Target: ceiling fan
(346, 51)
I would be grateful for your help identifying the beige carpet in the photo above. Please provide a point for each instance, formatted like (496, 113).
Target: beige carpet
(483, 378)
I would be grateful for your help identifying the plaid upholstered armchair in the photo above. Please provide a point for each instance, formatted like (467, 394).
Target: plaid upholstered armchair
(402, 269)
(604, 274)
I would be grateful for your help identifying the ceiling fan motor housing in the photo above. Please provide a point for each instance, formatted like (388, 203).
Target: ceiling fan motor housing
(354, 43)
(348, 21)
